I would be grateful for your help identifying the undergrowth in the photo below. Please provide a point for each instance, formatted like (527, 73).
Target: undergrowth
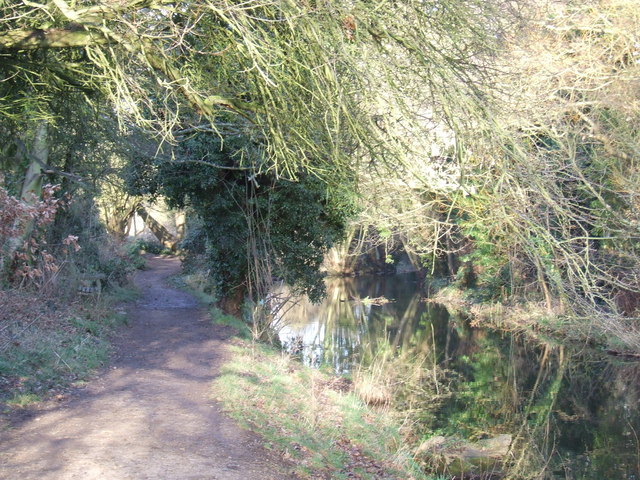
(538, 321)
(49, 344)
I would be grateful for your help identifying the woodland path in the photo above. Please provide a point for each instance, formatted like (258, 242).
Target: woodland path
(150, 414)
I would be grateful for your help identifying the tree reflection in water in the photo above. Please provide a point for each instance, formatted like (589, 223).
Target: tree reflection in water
(573, 412)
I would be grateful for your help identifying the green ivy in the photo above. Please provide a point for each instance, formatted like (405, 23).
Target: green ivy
(239, 214)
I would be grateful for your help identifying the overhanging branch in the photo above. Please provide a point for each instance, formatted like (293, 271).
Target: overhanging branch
(50, 38)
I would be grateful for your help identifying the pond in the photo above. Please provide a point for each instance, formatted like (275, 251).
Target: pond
(572, 410)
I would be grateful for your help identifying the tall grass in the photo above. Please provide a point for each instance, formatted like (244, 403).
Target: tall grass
(313, 417)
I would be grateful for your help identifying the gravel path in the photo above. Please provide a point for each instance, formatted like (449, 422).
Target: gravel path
(150, 414)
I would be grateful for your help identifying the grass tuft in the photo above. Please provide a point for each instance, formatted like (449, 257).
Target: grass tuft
(242, 330)
(22, 400)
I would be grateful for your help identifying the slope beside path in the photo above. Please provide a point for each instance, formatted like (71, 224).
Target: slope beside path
(150, 414)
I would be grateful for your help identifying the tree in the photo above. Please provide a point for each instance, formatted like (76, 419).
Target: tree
(248, 229)
(313, 89)
(317, 84)
(558, 185)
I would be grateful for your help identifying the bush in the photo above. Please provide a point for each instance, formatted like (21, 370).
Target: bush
(145, 246)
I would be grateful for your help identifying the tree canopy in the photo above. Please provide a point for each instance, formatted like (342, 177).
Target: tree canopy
(501, 133)
(318, 85)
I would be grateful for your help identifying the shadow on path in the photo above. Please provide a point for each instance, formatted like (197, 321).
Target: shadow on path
(150, 415)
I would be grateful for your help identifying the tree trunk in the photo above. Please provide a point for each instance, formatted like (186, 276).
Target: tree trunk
(181, 225)
(157, 228)
(32, 185)
(452, 264)
(124, 223)
(340, 259)
(30, 194)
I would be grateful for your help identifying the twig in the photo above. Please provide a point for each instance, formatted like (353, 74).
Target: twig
(63, 361)
(8, 342)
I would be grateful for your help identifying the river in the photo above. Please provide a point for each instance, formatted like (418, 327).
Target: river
(571, 410)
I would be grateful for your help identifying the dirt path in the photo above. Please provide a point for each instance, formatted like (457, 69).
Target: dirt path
(150, 414)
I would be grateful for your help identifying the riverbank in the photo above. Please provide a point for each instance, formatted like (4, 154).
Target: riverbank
(454, 391)
(542, 323)
(324, 424)
(316, 418)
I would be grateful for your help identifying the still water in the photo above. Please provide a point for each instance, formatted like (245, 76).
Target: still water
(574, 411)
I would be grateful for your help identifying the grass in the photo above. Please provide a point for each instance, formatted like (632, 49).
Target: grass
(242, 330)
(47, 345)
(315, 418)
(21, 400)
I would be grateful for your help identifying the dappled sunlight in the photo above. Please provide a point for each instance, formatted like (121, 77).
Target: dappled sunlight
(151, 413)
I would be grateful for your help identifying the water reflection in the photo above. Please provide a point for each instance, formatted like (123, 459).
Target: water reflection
(572, 412)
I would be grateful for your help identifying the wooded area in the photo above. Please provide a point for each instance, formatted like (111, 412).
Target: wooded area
(495, 141)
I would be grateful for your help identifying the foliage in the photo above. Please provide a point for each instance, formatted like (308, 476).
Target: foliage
(141, 245)
(411, 64)
(354, 83)
(312, 416)
(242, 217)
(540, 200)
(555, 204)
(491, 129)
(33, 261)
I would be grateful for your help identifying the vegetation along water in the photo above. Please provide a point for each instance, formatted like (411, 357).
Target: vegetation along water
(488, 146)
(570, 411)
